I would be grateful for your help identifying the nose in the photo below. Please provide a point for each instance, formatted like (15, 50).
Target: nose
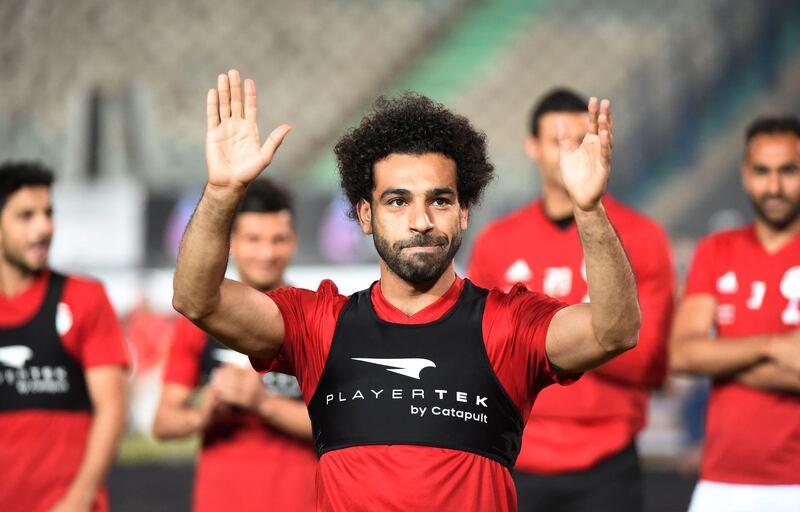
(774, 184)
(421, 223)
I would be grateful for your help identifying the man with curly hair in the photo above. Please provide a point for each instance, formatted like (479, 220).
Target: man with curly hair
(418, 388)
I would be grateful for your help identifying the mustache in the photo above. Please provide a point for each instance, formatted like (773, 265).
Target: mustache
(767, 197)
(421, 240)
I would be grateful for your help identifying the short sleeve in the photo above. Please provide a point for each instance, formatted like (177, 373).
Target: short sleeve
(185, 352)
(96, 336)
(515, 327)
(309, 320)
(531, 317)
(701, 278)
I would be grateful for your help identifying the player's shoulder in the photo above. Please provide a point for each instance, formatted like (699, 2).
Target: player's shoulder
(82, 288)
(726, 238)
(514, 297)
(512, 222)
(326, 288)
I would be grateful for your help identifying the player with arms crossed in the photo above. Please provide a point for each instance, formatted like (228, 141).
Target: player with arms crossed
(740, 324)
(418, 387)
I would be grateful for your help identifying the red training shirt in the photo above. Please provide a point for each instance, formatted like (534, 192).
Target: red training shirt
(410, 477)
(752, 436)
(571, 429)
(251, 466)
(41, 451)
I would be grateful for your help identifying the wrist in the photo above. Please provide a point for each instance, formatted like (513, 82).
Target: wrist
(587, 211)
(232, 192)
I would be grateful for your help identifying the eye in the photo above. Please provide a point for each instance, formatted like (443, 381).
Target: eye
(789, 169)
(396, 201)
(441, 201)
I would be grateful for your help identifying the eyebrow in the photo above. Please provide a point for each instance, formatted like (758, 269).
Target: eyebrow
(396, 191)
(441, 191)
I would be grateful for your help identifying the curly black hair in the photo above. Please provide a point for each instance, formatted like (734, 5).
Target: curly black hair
(412, 124)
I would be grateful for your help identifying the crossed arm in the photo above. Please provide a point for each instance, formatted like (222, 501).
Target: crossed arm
(766, 362)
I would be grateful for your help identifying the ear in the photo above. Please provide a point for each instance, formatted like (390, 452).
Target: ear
(364, 211)
(463, 217)
(532, 148)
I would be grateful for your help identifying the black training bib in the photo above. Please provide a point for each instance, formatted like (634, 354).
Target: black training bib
(36, 371)
(430, 384)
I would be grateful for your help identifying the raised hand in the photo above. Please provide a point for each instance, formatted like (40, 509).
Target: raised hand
(234, 154)
(585, 168)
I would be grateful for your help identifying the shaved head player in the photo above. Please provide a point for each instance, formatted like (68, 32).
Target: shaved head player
(740, 324)
(418, 388)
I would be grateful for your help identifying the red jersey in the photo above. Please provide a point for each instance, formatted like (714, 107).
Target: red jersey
(752, 436)
(41, 450)
(574, 427)
(244, 465)
(412, 477)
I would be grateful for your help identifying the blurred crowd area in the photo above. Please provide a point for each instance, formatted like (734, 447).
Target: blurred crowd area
(111, 95)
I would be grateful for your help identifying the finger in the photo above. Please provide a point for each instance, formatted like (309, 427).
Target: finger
(224, 92)
(605, 148)
(236, 93)
(593, 115)
(250, 104)
(605, 109)
(212, 109)
(274, 141)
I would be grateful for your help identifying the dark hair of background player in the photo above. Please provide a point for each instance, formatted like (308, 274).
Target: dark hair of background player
(15, 175)
(773, 126)
(556, 100)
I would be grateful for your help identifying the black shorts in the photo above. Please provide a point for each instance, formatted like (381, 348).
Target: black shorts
(613, 485)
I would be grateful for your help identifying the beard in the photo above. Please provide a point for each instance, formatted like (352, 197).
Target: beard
(777, 224)
(18, 262)
(420, 267)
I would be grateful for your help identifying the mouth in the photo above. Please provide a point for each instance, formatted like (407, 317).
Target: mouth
(40, 248)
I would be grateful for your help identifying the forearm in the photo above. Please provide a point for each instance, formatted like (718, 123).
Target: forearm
(769, 376)
(287, 415)
(717, 356)
(177, 422)
(203, 254)
(108, 425)
(611, 284)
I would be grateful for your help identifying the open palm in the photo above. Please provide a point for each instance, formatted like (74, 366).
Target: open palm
(234, 153)
(585, 168)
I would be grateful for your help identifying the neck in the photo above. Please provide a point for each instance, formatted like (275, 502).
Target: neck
(412, 298)
(14, 280)
(556, 202)
(772, 239)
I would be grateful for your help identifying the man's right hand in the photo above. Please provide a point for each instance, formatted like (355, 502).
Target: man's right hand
(234, 154)
(785, 350)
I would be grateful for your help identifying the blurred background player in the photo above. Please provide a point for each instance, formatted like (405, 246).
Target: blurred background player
(578, 450)
(739, 323)
(256, 452)
(62, 363)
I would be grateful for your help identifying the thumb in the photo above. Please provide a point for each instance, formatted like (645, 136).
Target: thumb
(274, 141)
